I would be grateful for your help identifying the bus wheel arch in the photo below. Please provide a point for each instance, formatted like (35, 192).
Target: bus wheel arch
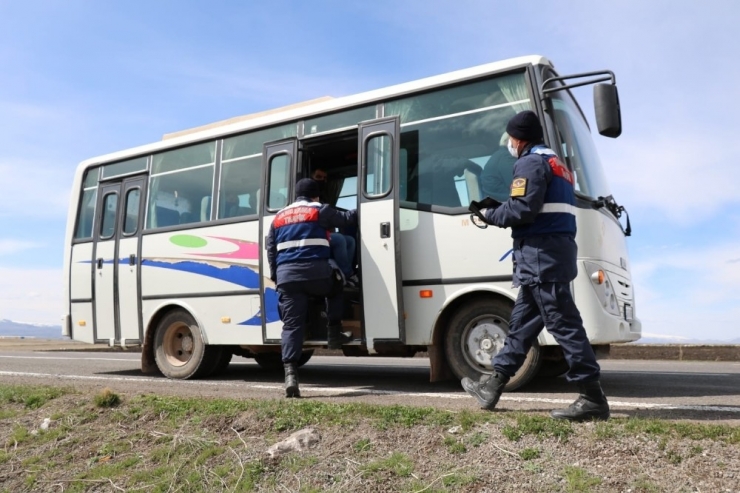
(148, 364)
(473, 329)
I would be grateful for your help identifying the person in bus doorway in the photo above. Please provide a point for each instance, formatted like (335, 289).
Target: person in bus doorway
(299, 257)
(540, 213)
(342, 246)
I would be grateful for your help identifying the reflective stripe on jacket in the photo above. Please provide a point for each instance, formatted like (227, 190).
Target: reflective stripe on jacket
(557, 215)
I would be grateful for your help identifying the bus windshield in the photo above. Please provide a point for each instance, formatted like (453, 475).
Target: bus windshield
(577, 147)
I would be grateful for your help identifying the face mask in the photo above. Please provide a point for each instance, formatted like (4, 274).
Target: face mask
(512, 149)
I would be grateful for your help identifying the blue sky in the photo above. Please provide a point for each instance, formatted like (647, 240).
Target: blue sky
(83, 78)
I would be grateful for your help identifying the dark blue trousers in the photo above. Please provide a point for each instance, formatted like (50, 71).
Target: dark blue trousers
(293, 301)
(550, 305)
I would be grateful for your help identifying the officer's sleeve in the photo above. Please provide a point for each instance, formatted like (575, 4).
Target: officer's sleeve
(330, 218)
(527, 194)
(271, 248)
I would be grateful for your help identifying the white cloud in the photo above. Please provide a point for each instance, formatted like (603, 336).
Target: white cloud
(46, 195)
(675, 175)
(33, 295)
(692, 292)
(9, 247)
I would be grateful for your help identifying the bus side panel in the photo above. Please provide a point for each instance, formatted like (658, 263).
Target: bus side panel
(212, 270)
(222, 318)
(447, 247)
(81, 265)
(464, 252)
(422, 313)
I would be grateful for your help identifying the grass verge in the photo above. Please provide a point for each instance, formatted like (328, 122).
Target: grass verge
(106, 441)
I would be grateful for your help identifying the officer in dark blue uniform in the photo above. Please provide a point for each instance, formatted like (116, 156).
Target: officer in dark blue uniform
(540, 213)
(298, 253)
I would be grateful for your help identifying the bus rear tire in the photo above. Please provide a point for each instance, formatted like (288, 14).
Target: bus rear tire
(179, 349)
(476, 333)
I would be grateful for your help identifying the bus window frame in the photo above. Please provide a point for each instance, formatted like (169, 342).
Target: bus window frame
(531, 83)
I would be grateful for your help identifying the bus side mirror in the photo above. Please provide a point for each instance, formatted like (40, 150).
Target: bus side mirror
(606, 108)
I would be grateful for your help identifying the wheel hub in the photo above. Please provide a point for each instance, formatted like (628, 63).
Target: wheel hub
(178, 344)
(187, 344)
(484, 340)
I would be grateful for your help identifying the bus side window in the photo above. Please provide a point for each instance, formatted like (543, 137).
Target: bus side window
(108, 222)
(167, 217)
(86, 214)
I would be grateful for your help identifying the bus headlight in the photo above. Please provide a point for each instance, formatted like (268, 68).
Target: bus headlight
(603, 287)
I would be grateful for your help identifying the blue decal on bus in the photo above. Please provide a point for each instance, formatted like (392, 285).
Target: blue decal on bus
(242, 276)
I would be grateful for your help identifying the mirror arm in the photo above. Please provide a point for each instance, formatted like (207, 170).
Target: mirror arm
(615, 209)
(608, 75)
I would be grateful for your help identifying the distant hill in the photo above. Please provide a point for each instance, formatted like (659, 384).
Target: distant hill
(9, 328)
(655, 339)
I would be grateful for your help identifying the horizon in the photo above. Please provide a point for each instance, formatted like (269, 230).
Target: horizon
(91, 79)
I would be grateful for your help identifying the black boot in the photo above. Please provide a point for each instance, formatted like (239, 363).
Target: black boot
(335, 337)
(488, 391)
(590, 405)
(291, 380)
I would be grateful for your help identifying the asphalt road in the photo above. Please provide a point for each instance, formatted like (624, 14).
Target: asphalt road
(697, 391)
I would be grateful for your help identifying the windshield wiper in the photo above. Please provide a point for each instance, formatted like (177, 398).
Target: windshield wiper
(616, 209)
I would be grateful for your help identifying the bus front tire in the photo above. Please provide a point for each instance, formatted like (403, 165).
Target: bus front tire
(179, 349)
(476, 333)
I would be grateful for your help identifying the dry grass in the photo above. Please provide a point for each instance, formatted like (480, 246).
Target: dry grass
(168, 444)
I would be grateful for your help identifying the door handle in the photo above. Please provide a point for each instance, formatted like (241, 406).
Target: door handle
(100, 263)
(132, 259)
(385, 230)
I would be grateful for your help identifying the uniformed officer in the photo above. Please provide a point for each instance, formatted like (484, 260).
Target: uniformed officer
(540, 213)
(298, 254)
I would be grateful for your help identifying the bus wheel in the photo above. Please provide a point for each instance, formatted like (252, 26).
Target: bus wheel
(179, 350)
(476, 333)
(274, 361)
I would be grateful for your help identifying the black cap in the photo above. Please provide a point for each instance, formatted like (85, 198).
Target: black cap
(525, 126)
(306, 187)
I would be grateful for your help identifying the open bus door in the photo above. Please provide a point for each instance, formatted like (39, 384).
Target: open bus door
(116, 262)
(380, 245)
(280, 160)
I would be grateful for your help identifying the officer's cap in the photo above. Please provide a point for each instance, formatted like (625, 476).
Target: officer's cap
(525, 126)
(306, 187)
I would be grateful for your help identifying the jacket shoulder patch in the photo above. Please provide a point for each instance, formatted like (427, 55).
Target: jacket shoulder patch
(519, 187)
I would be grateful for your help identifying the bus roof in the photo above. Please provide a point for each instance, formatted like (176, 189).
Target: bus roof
(308, 108)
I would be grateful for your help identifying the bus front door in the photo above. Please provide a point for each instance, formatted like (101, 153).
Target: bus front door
(278, 177)
(380, 247)
(116, 278)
